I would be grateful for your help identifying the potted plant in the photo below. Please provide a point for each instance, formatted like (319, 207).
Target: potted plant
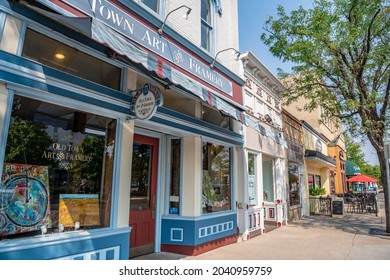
(317, 191)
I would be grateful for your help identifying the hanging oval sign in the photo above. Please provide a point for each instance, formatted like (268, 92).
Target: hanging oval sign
(145, 101)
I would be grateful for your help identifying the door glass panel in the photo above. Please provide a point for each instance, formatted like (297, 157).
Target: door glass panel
(141, 175)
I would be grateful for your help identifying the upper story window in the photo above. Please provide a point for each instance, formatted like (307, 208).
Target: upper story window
(70, 60)
(206, 26)
(154, 5)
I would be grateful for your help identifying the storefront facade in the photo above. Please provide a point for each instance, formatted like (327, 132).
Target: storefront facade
(113, 147)
(318, 165)
(264, 199)
(338, 175)
(293, 133)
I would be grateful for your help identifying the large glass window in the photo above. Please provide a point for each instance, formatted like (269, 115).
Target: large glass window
(70, 60)
(175, 171)
(310, 181)
(294, 184)
(216, 188)
(57, 172)
(206, 25)
(141, 173)
(252, 183)
(268, 181)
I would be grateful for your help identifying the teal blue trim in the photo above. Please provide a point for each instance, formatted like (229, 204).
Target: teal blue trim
(198, 122)
(63, 245)
(20, 79)
(157, 238)
(168, 177)
(210, 134)
(131, 5)
(2, 24)
(5, 124)
(199, 231)
(115, 182)
(232, 178)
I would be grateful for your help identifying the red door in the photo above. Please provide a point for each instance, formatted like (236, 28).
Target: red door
(143, 195)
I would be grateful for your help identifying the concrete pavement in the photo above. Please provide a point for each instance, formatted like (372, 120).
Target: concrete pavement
(353, 237)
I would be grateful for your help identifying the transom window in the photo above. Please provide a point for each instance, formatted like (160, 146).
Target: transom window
(70, 60)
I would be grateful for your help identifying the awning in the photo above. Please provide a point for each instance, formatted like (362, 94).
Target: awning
(351, 168)
(362, 179)
(318, 159)
(103, 34)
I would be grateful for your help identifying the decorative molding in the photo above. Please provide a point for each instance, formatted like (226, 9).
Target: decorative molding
(215, 229)
(111, 253)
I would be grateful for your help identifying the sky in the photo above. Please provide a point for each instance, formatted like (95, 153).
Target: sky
(252, 15)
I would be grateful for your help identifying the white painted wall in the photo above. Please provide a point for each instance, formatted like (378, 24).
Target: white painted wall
(192, 176)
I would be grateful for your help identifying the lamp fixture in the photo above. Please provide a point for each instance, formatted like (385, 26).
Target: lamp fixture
(268, 118)
(236, 52)
(160, 30)
(59, 55)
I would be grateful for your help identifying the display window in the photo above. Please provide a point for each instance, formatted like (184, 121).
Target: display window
(57, 170)
(294, 184)
(216, 185)
(268, 181)
(175, 174)
(252, 182)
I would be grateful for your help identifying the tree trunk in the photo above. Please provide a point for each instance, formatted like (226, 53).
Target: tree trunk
(382, 164)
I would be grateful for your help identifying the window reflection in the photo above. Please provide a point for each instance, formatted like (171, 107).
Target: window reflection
(57, 159)
(216, 178)
(141, 177)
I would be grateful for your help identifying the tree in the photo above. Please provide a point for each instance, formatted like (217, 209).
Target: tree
(372, 171)
(354, 151)
(341, 54)
(26, 141)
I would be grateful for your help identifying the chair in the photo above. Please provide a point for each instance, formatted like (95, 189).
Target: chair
(352, 204)
(371, 204)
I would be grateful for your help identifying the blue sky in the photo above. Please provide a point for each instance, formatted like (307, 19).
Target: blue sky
(252, 15)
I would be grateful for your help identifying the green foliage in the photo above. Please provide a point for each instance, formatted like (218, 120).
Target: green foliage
(372, 171)
(92, 146)
(208, 189)
(354, 151)
(26, 141)
(341, 55)
(317, 191)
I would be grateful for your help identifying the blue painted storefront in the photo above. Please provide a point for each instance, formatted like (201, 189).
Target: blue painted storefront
(189, 231)
(105, 244)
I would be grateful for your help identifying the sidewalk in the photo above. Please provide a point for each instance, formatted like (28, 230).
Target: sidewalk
(353, 237)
